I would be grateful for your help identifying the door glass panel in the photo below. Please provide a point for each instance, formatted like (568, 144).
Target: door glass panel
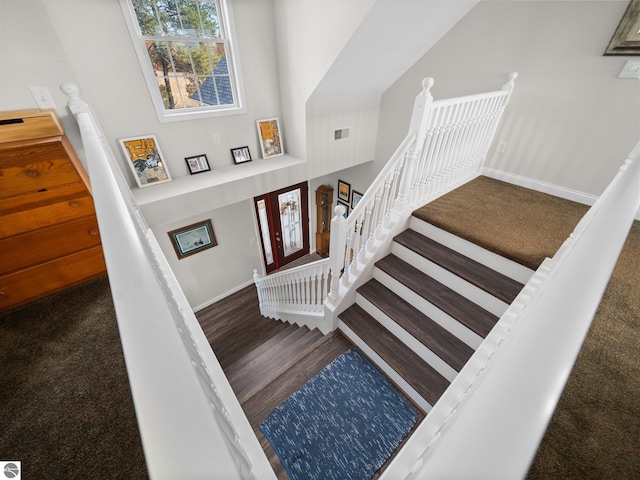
(264, 230)
(290, 221)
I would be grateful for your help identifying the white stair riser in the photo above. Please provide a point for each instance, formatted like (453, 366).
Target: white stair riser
(492, 260)
(407, 389)
(469, 291)
(446, 321)
(409, 340)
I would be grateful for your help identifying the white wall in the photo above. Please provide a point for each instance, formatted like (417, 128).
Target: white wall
(571, 122)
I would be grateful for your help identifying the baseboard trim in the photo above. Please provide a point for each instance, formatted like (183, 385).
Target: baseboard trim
(544, 187)
(197, 308)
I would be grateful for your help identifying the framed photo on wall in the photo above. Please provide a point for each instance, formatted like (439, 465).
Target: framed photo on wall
(344, 191)
(198, 164)
(145, 160)
(241, 155)
(355, 198)
(346, 208)
(193, 238)
(270, 137)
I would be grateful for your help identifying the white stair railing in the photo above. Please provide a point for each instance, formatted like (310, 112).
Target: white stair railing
(191, 423)
(447, 143)
(495, 412)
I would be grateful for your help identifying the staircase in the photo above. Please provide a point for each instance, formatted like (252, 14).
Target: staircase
(431, 302)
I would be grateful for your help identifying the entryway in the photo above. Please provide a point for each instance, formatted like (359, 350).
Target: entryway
(283, 220)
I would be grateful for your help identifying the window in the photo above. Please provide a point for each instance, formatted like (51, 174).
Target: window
(186, 53)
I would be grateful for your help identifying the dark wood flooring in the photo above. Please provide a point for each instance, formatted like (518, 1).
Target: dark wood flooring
(266, 361)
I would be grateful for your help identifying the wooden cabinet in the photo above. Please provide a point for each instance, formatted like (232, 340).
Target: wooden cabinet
(324, 201)
(49, 238)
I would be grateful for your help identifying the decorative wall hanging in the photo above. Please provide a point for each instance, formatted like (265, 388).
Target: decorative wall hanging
(241, 155)
(198, 164)
(270, 137)
(145, 160)
(346, 208)
(355, 199)
(626, 39)
(193, 238)
(344, 191)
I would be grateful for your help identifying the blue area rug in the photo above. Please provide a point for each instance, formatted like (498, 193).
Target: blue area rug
(342, 424)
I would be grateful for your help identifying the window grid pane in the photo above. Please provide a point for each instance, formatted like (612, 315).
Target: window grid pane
(188, 57)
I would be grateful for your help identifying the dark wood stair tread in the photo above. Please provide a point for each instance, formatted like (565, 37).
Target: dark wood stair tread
(495, 283)
(462, 309)
(415, 371)
(436, 338)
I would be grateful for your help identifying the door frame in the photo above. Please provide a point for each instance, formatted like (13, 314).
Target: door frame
(271, 201)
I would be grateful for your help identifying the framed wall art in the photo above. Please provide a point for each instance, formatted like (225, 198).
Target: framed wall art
(241, 155)
(145, 160)
(270, 137)
(344, 191)
(197, 164)
(626, 38)
(355, 198)
(193, 238)
(346, 208)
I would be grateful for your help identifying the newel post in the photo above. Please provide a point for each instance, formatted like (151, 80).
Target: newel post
(419, 123)
(336, 253)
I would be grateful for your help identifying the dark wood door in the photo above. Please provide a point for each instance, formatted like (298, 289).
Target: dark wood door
(283, 220)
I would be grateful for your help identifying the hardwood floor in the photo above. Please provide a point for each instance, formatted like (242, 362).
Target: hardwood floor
(266, 361)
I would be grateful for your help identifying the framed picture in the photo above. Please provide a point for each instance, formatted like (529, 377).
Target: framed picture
(270, 137)
(626, 39)
(241, 155)
(193, 238)
(145, 160)
(198, 164)
(346, 208)
(355, 199)
(344, 191)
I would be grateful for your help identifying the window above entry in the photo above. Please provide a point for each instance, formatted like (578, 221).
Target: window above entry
(186, 51)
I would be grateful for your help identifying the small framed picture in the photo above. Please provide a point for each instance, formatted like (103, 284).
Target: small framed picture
(344, 191)
(198, 164)
(270, 137)
(346, 208)
(355, 198)
(241, 155)
(193, 238)
(145, 160)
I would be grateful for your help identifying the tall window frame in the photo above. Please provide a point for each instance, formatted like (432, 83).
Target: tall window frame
(187, 87)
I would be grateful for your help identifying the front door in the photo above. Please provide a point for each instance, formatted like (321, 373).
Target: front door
(283, 219)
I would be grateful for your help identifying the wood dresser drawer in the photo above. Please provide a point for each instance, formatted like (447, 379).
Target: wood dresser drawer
(30, 284)
(49, 237)
(21, 251)
(64, 209)
(34, 168)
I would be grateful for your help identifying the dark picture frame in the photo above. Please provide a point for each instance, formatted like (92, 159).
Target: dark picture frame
(346, 208)
(626, 38)
(241, 155)
(344, 191)
(197, 164)
(193, 238)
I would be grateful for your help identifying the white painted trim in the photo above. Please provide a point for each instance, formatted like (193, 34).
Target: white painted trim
(544, 187)
(469, 337)
(197, 308)
(489, 259)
